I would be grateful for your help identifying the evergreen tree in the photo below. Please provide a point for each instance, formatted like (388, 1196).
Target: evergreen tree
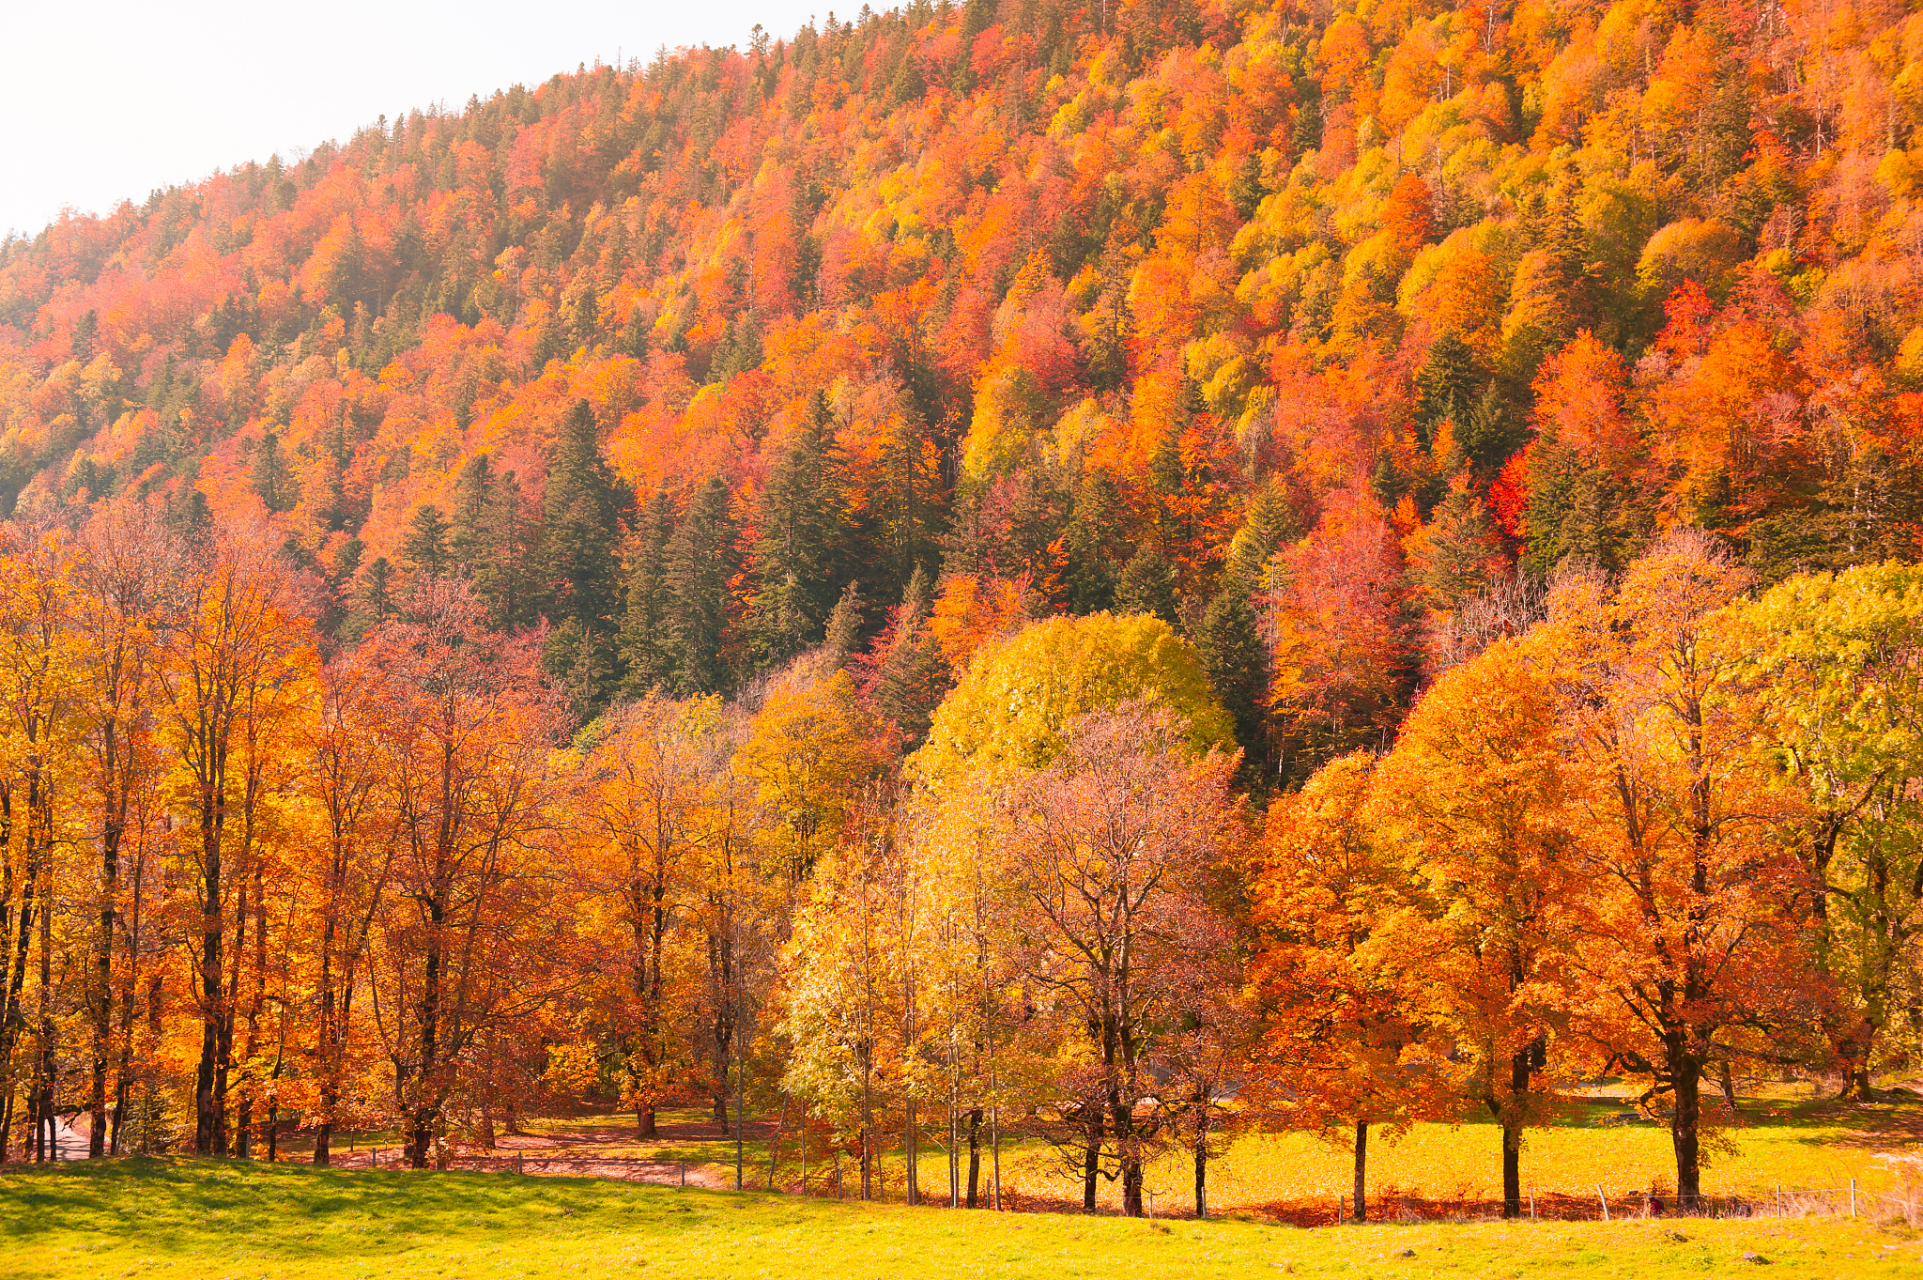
(474, 497)
(844, 625)
(186, 513)
(645, 646)
(799, 559)
(373, 600)
(581, 510)
(1092, 531)
(1270, 525)
(1489, 432)
(1148, 586)
(1237, 664)
(508, 551)
(425, 553)
(906, 673)
(271, 481)
(702, 560)
(1458, 553)
(1445, 386)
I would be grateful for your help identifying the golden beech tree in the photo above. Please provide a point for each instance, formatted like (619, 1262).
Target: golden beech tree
(644, 801)
(235, 666)
(352, 841)
(1693, 950)
(121, 568)
(1473, 800)
(1342, 1032)
(41, 686)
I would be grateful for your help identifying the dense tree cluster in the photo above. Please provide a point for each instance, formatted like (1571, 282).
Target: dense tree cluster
(1063, 308)
(784, 546)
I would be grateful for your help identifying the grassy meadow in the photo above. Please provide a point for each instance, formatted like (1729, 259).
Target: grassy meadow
(212, 1221)
(1435, 1170)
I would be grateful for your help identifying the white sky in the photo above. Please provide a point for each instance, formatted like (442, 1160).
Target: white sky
(105, 101)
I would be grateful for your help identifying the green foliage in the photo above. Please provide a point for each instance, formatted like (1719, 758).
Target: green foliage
(702, 560)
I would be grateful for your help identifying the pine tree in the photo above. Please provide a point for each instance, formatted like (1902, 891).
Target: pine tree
(906, 673)
(702, 560)
(1092, 531)
(581, 510)
(1148, 586)
(799, 559)
(1458, 554)
(473, 501)
(1270, 525)
(844, 626)
(1237, 663)
(645, 646)
(1445, 386)
(425, 552)
(505, 570)
(373, 600)
(271, 481)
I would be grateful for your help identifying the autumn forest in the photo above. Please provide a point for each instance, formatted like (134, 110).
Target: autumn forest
(1098, 575)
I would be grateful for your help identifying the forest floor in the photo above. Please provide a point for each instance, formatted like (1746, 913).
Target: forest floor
(1800, 1144)
(185, 1218)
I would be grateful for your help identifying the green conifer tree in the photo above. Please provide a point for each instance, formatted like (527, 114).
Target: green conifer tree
(702, 561)
(1237, 664)
(1148, 586)
(425, 553)
(581, 510)
(645, 646)
(1093, 529)
(799, 564)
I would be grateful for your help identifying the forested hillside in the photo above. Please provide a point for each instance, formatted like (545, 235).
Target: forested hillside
(1063, 306)
(757, 567)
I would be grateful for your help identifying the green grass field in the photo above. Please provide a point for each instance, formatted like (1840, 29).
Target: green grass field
(201, 1219)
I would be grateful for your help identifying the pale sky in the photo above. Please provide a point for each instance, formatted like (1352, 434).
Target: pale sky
(101, 102)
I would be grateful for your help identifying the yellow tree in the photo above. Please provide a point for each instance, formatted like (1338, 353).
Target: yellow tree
(1693, 930)
(353, 836)
(647, 784)
(1473, 801)
(40, 686)
(119, 575)
(1342, 1034)
(235, 664)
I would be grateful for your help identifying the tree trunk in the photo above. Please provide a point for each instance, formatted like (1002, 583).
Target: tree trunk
(102, 992)
(1361, 1167)
(1091, 1159)
(1201, 1178)
(1132, 1185)
(974, 1156)
(1686, 1135)
(209, 1104)
(911, 1183)
(1521, 1068)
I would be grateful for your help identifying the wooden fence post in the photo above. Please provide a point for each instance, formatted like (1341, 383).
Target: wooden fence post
(1852, 1197)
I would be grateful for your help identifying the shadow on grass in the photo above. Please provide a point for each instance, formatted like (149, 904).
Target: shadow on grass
(168, 1206)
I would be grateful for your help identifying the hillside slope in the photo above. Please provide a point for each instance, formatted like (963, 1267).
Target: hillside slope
(1067, 307)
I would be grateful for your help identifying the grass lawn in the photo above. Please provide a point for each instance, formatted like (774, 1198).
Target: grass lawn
(204, 1219)
(1795, 1144)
